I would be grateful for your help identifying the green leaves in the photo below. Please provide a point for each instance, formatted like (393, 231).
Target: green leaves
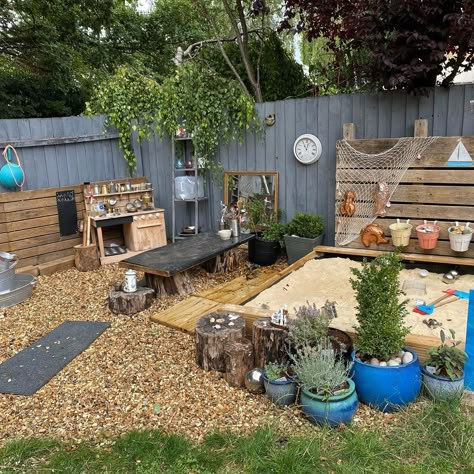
(379, 311)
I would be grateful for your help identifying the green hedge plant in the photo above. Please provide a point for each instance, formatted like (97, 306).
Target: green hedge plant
(380, 311)
(308, 226)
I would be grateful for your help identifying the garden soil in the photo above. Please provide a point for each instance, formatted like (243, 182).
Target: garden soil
(327, 279)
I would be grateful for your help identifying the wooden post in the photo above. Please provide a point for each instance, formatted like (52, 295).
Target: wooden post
(212, 333)
(238, 359)
(86, 258)
(269, 343)
(349, 131)
(421, 128)
(179, 284)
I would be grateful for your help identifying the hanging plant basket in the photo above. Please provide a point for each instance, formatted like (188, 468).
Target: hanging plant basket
(460, 237)
(400, 233)
(427, 235)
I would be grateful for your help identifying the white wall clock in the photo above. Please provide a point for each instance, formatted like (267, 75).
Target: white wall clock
(307, 149)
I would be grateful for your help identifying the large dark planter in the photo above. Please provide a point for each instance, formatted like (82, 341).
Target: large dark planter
(438, 387)
(263, 252)
(387, 388)
(297, 247)
(333, 410)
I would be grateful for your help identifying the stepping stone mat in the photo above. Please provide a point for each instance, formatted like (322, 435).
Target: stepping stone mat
(30, 369)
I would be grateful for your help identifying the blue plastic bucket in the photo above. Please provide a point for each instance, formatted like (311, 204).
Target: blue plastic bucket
(387, 388)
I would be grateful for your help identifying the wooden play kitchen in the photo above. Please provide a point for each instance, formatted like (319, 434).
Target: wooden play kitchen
(433, 193)
(121, 219)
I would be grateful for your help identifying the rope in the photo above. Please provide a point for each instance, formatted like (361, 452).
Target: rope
(361, 173)
(5, 155)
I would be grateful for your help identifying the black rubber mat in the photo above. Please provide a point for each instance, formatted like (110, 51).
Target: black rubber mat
(33, 367)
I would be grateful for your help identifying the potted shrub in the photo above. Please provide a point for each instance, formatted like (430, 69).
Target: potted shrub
(443, 371)
(280, 386)
(264, 249)
(328, 394)
(310, 325)
(386, 375)
(305, 231)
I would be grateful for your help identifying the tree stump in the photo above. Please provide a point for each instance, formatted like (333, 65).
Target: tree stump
(238, 356)
(212, 333)
(269, 343)
(179, 284)
(86, 258)
(225, 262)
(121, 302)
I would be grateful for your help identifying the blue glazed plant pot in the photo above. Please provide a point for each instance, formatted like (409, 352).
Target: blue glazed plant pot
(438, 387)
(387, 388)
(331, 411)
(280, 392)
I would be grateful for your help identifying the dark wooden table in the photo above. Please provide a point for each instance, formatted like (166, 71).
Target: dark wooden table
(166, 267)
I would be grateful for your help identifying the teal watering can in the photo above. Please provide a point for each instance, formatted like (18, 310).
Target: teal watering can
(11, 174)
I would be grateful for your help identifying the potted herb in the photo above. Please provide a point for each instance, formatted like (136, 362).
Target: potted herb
(310, 325)
(386, 375)
(443, 371)
(280, 386)
(264, 249)
(328, 395)
(305, 231)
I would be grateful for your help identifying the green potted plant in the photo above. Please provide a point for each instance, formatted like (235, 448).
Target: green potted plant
(264, 249)
(280, 386)
(328, 394)
(311, 324)
(304, 232)
(443, 371)
(386, 375)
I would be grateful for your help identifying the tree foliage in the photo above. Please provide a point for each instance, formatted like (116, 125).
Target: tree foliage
(407, 43)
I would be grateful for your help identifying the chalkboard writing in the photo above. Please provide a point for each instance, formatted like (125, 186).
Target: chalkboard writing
(67, 212)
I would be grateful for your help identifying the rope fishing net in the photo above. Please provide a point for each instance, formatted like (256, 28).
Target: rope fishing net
(372, 179)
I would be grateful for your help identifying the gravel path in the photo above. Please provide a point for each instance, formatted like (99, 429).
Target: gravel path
(137, 375)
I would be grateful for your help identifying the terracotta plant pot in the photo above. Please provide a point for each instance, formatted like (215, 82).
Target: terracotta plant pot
(427, 240)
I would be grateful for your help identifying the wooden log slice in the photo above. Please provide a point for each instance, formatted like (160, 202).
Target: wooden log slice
(238, 356)
(121, 302)
(179, 284)
(226, 262)
(212, 333)
(269, 343)
(86, 258)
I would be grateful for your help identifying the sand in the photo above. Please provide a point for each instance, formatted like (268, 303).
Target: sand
(328, 279)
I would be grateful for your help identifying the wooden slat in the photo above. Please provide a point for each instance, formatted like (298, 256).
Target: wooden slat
(59, 140)
(39, 241)
(16, 206)
(33, 223)
(434, 194)
(48, 248)
(45, 258)
(33, 232)
(458, 176)
(415, 257)
(57, 265)
(37, 193)
(432, 212)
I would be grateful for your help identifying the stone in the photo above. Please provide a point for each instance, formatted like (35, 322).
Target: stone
(374, 361)
(407, 357)
(392, 363)
(383, 364)
(398, 359)
(401, 354)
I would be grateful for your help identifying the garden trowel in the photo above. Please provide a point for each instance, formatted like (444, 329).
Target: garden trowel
(429, 308)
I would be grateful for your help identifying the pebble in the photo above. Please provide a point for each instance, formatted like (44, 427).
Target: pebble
(212, 320)
(374, 361)
(220, 320)
(217, 326)
(231, 324)
(392, 363)
(383, 364)
(398, 359)
(401, 354)
(408, 357)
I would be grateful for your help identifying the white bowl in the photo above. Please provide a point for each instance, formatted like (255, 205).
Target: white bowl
(224, 234)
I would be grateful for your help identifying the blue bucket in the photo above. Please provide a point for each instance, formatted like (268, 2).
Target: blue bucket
(387, 388)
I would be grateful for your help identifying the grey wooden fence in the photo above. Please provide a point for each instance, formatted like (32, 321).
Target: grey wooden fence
(65, 151)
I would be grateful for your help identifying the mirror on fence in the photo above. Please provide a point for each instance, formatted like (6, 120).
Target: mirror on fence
(248, 189)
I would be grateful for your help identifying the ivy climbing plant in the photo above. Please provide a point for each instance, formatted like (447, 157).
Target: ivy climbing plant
(212, 108)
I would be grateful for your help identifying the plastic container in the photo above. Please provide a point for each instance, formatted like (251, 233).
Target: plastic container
(185, 187)
(400, 233)
(427, 235)
(387, 388)
(459, 242)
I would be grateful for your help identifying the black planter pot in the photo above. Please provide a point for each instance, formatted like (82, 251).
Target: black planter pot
(262, 252)
(298, 247)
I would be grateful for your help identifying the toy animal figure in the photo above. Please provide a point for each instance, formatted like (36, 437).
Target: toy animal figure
(348, 207)
(373, 234)
(381, 198)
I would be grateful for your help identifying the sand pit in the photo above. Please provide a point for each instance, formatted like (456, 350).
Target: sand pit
(328, 279)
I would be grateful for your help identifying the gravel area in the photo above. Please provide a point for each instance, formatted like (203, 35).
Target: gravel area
(137, 375)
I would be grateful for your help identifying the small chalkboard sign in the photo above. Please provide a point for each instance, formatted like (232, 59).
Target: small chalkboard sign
(67, 212)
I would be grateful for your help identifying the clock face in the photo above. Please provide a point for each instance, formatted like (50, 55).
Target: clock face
(307, 149)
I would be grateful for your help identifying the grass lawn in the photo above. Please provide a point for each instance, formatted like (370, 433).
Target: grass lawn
(434, 438)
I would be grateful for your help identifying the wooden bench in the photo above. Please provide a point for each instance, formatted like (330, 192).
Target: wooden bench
(166, 267)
